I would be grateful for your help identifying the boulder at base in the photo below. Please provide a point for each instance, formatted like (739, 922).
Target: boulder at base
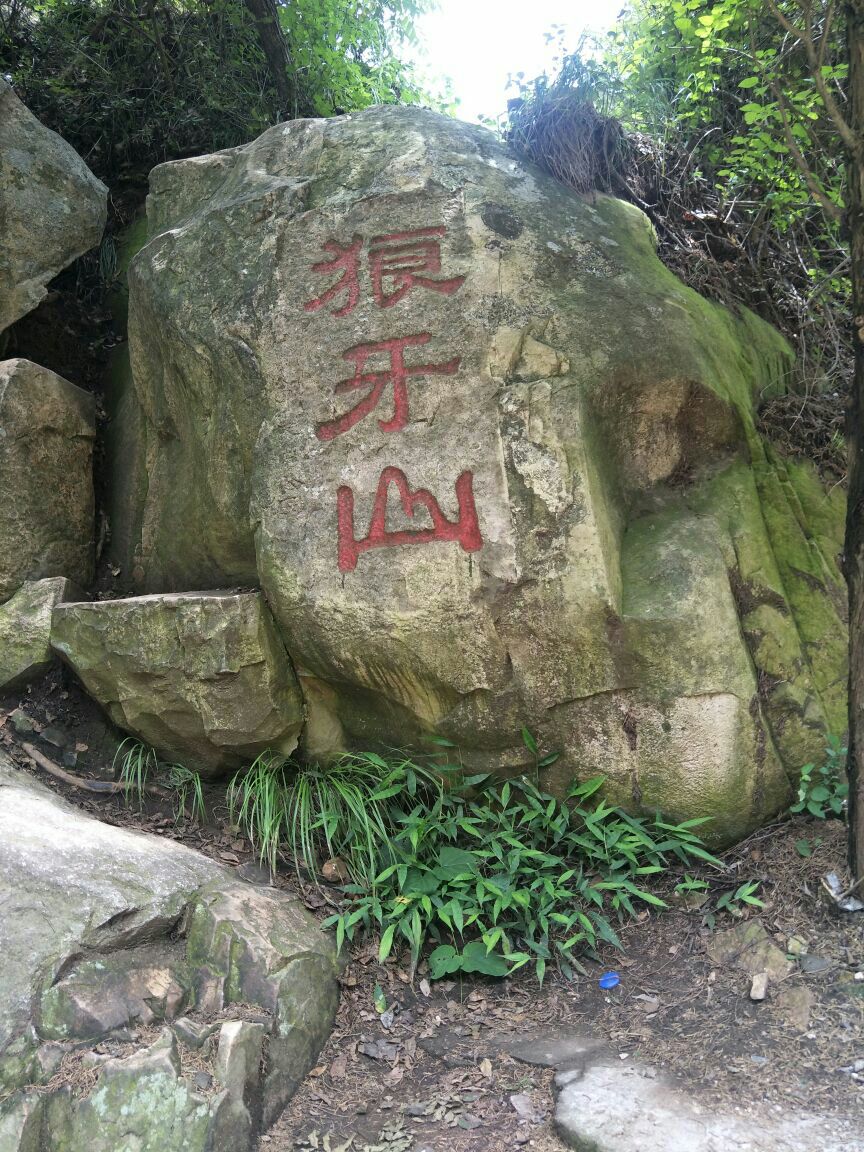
(25, 630)
(492, 464)
(52, 207)
(47, 430)
(203, 677)
(148, 1000)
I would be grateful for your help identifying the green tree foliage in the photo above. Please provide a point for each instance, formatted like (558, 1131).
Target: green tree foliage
(344, 54)
(131, 83)
(726, 145)
(728, 78)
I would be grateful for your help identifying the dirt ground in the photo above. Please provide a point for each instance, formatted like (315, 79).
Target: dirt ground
(434, 1071)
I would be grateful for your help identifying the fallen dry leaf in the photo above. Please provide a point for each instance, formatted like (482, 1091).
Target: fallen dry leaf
(335, 871)
(524, 1105)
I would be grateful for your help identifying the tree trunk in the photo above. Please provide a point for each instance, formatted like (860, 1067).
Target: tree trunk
(275, 49)
(855, 513)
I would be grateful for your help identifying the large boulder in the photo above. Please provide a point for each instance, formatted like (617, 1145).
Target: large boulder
(25, 630)
(47, 430)
(492, 464)
(52, 207)
(203, 677)
(108, 936)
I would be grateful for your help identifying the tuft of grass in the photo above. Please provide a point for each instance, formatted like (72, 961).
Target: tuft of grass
(189, 791)
(256, 803)
(132, 764)
(342, 809)
(135, 763)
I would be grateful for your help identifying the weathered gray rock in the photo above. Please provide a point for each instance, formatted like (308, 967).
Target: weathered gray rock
(492, 464)
(47, 430)
(103, 930)
(202, 677)
(748, 946)
(94, 999)
(52, 207)
(21, 1123)
(238, 1064)
(141, 1102)
(605, 1106)
(25, 630)
(244, 932)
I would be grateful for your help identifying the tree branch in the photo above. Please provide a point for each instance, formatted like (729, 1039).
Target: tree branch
(834, 211)
(851, 141)
(275, 49)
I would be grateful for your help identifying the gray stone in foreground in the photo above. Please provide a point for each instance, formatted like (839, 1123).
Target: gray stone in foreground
(104, 930)
(201, 676)
(606, 1106)
(52, 207)
(47, 431)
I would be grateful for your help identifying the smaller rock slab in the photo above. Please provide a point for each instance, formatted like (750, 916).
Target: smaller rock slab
(25, 630)
(201, 676)
(47, 430)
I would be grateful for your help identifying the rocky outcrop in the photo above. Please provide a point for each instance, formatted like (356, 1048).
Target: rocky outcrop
(147, 999)
(25, 630)
(203, 677)
(47, 431)
(492, 464)
(52, 207)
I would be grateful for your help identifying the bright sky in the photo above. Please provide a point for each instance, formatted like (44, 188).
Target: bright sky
(478, 43)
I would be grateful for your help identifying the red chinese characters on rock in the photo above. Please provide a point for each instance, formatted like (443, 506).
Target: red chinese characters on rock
(376, 381)
(464, 530)
(400, 258)
(347, 261)
(398, 262)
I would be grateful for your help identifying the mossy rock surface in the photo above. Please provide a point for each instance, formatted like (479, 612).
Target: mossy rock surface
(52, 207)
(106, 932)
(47, 434)
(203, 677)
(560, 515)
(25, 630)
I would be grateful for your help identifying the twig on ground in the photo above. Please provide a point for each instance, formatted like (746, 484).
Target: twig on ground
(101, 787)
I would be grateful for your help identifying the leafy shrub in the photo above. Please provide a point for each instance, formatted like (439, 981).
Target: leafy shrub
(719, 108)
(508, 875)
(735, 901)
(823, 791)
